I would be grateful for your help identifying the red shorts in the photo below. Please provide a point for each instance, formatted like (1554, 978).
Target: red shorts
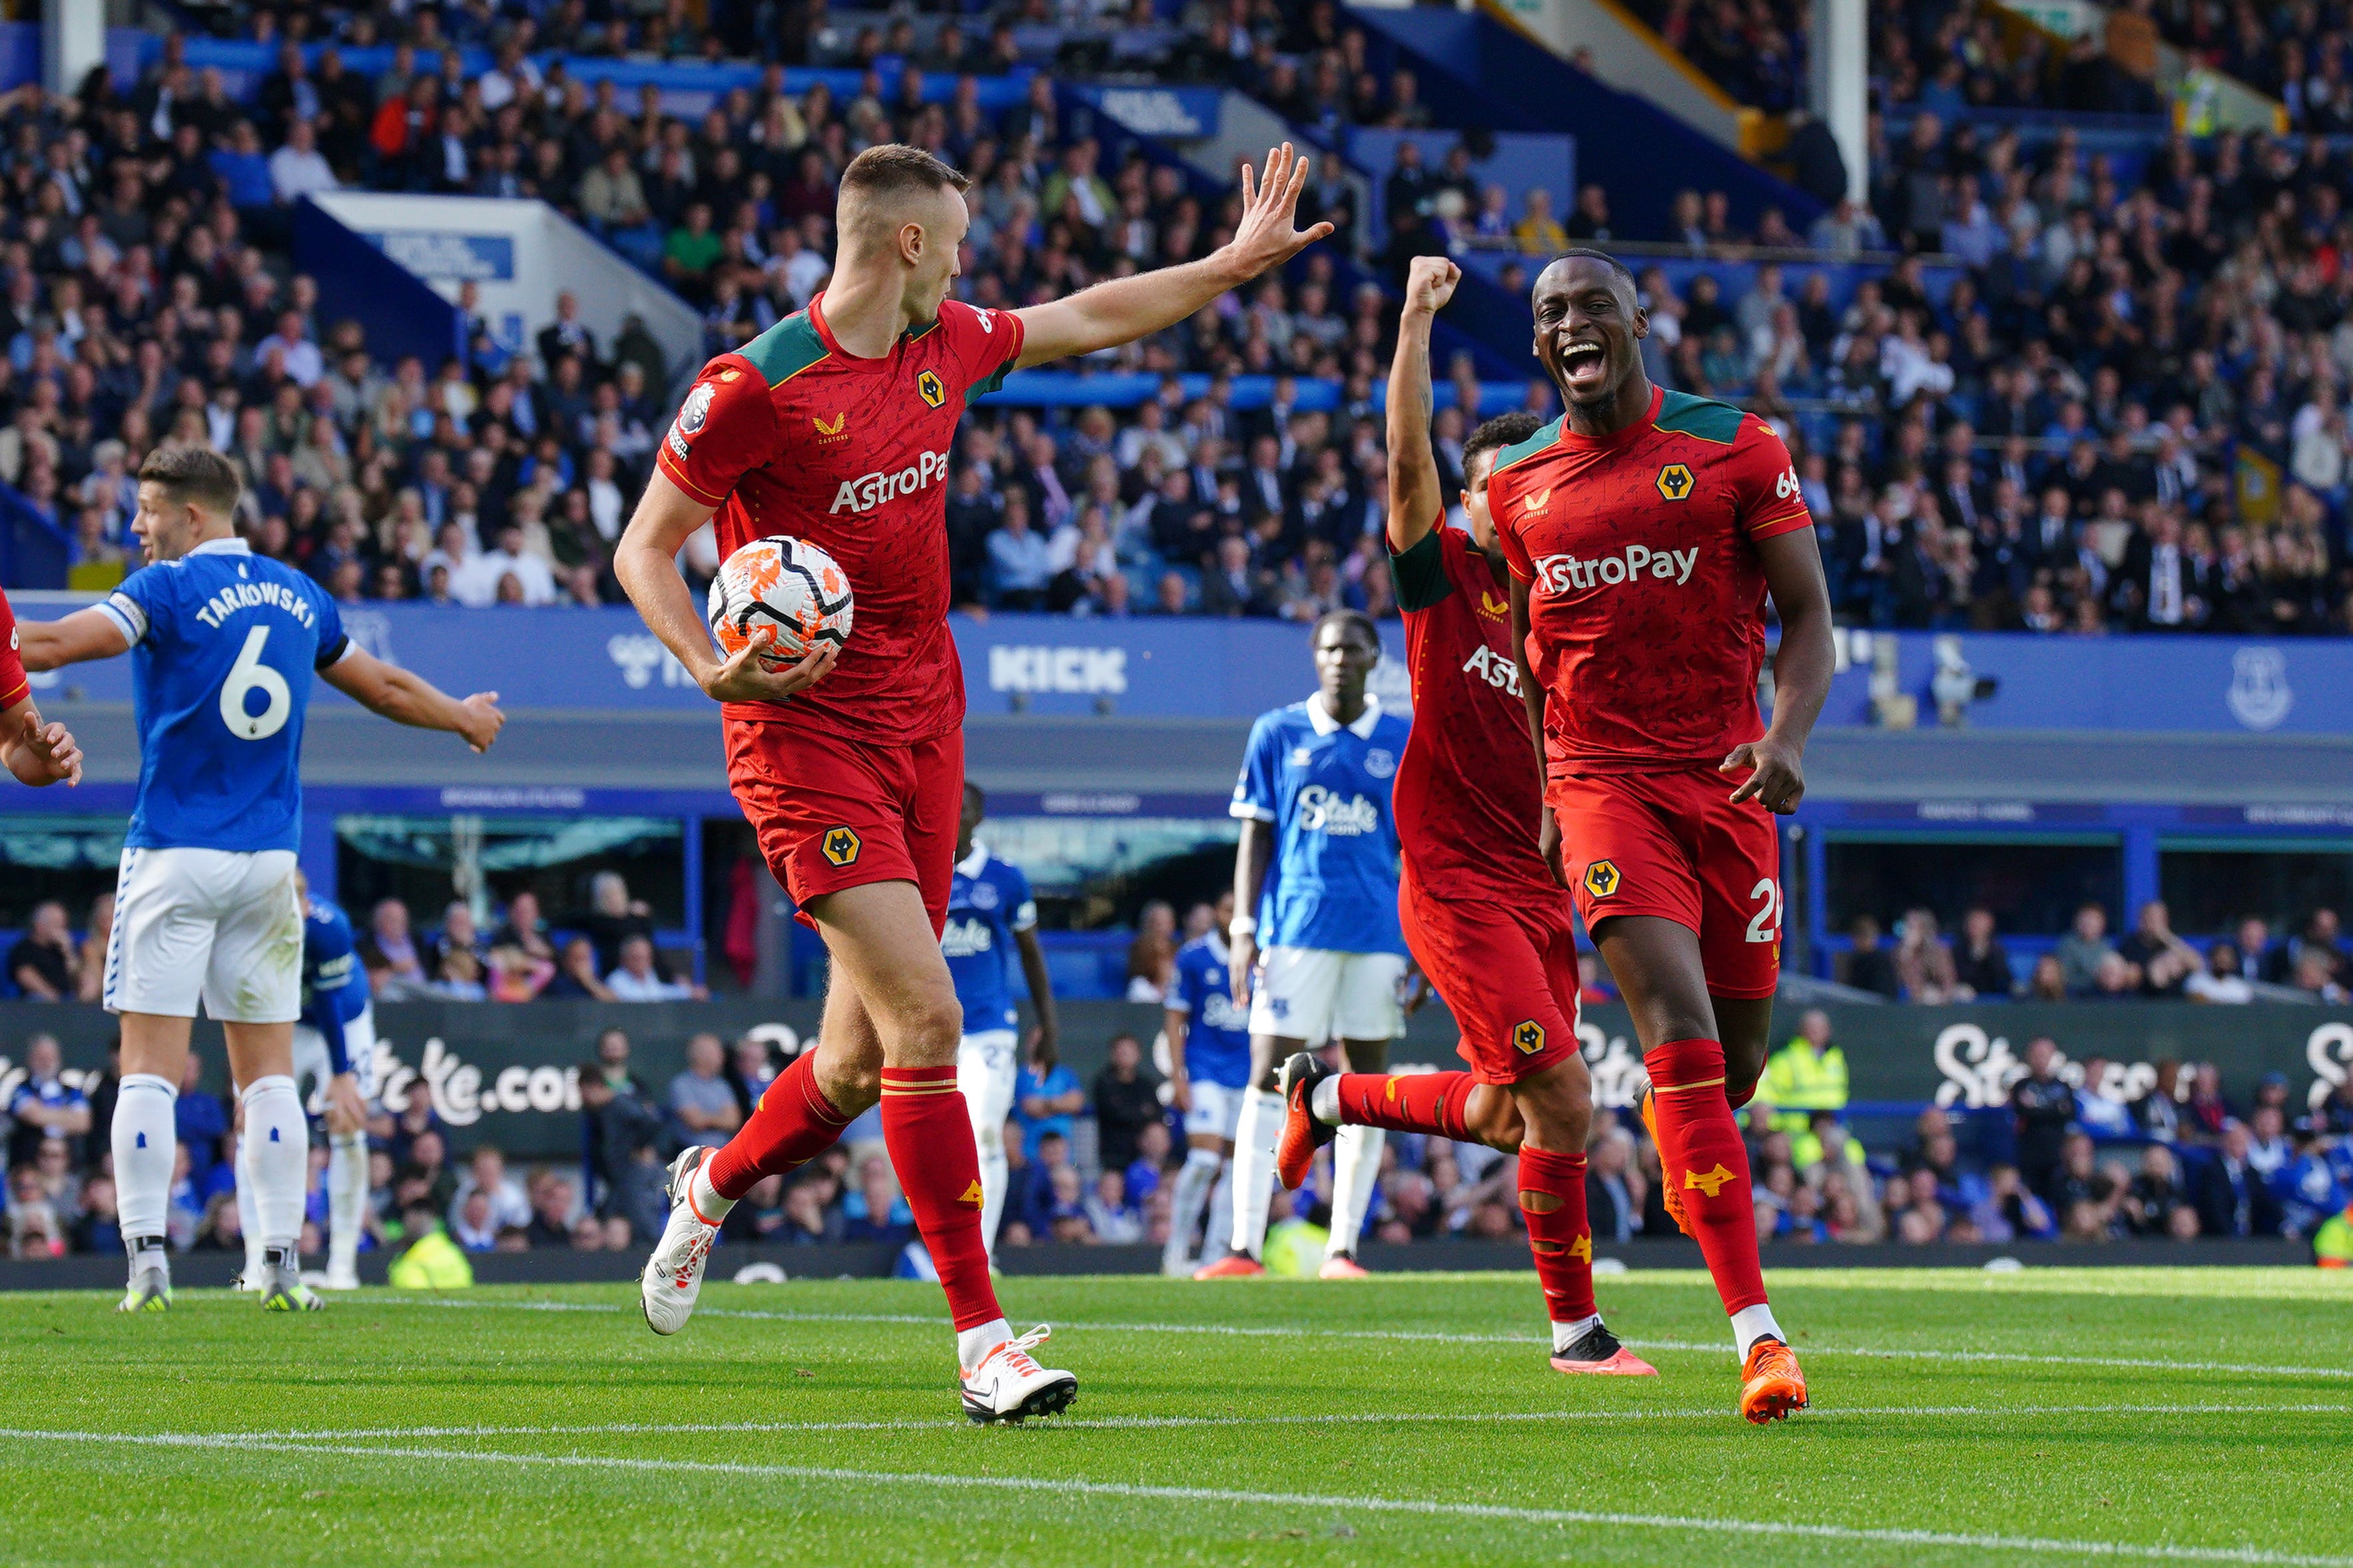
(1674, 845)
(1507, 969)
(831, 814)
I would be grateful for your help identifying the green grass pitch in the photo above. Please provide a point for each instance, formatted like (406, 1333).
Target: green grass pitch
(2047, 1416)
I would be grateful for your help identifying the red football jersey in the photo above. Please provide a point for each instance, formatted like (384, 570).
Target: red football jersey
(1646, 594)
(790, 434)
(14, 687)
(1465, 798)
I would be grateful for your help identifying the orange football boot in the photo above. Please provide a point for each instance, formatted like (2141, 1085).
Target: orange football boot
(1232, 1266)
(1669, 1193)
(1302, 1135)
(1770, 1383)
(1598, 1350)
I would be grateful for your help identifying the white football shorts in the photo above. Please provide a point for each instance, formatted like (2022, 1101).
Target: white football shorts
(986, 1066)
(1216, 1110)
(220, 924)
(1313, 995)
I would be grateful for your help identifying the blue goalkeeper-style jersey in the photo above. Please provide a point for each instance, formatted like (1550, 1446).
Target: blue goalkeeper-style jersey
(988, 901)
(1333, 881)
(335, 982)
(1217, 1032)
(223, 644)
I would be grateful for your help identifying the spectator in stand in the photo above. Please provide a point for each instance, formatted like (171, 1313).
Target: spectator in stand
(44, 964)
(874, 1209)
(2082, 951)
(2043, 1109)
(45, 1108)
(2219, 979)
(200, 1120)
(1045, 1096)
(2232, 1196)
(1980, 963)
(458, 970)
(1806, 1075)
(1869, 966)
(395, 969)
(1923, 962)
(575, 973)
(637, 980)
(1152, 956)
(503, 1205)
(703, 1105)
(2156, 1203)
(1126, 1100)
(2209, 1110)
(612, 917)
(623, 1152)
(2166, 961)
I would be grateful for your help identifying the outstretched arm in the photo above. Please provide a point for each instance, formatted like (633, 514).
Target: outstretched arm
(84, 636)
(406, 698)
(646, 562)
(1416, 499)
(39, 753)
(1801, 673)
(1126, 308)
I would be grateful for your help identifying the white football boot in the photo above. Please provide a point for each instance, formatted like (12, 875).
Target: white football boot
(673, 1275)
(1008, 1386)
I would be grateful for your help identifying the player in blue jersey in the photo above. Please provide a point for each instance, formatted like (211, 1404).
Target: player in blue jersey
(991, 916)
(1209, 1072)
(1322, 958)
(223, 645)
(335, 1067)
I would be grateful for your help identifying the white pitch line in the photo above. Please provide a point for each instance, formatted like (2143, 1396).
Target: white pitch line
(1424, 1506)
(1122, 1422)
(1419, 1336)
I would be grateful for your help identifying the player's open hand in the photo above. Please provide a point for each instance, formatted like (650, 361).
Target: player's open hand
(743, 678)
(1777, 777)
(1548, 847)
(1430, 282)
(50, 750)
(479, 719)
(1268, 234)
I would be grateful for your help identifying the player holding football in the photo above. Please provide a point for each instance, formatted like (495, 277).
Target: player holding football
(835, 426)
(1643, 530)
(991, 918)
(1485, 919)
(223, 644)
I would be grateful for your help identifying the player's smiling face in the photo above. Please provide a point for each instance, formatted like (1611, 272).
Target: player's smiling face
(1588, 330)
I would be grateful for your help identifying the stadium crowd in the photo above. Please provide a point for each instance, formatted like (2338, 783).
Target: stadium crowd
(2081, 1153)
(2111, 402)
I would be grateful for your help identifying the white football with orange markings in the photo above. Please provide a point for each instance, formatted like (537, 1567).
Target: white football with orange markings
(783, 595)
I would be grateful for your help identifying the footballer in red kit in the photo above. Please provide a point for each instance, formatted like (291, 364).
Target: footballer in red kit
(37, 753)
(1643, 530)
(1486, 919)
(792, 434)
(837, 426)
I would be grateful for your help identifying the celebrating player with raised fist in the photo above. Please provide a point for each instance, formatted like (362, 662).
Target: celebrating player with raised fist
(1485, 919)
(1643, 530)
(835, 426)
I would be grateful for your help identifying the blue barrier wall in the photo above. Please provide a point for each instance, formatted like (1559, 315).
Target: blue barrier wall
(1194, 668)
(401, 311)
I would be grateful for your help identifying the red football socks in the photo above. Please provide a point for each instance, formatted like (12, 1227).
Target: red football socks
(1552, 1201)
(929, 1134)
(1428, 1102)
(793, 1124)
(1701, 1153)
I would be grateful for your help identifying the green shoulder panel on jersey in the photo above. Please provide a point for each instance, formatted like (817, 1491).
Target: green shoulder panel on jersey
(982, 388)
(1420, 572)
(785, 350)
(1544, 436)
(1703, 417)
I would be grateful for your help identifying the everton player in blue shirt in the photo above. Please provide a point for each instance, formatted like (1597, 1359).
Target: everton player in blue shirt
(334, 1062)
(1209, 1072)
(991, 916)
(223, 647)
(1317, 950)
